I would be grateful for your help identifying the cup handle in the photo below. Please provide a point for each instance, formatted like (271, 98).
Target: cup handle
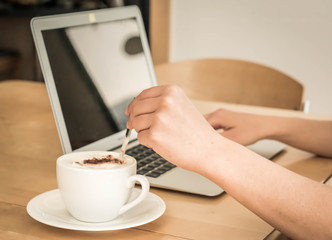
(144, 192)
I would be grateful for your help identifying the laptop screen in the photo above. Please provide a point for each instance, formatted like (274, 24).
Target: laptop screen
(97, 69)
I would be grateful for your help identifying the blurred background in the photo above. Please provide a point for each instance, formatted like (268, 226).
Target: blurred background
(16, 43)
(293, 36)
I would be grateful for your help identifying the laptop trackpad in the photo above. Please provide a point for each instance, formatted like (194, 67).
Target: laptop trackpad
(186, 181)
(267, 148)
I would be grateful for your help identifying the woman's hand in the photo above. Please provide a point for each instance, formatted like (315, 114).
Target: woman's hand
(167, 122)
(242, 128)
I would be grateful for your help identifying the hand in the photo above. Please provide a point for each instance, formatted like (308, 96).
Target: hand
(242, 128)
(167, 122)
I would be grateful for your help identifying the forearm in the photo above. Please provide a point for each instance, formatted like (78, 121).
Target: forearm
(166, 121)
(297, 206)
(309, 135)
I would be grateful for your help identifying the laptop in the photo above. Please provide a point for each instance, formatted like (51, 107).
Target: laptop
(94, 63)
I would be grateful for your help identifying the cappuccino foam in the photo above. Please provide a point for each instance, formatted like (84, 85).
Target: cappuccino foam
(103, 162)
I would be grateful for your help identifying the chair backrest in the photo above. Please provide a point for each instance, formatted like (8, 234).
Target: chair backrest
(233, 81)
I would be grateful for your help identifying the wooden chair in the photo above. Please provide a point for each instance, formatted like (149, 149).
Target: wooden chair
(233, 81)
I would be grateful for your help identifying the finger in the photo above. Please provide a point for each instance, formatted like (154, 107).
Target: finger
(151, 92)
(145, 94)
(143, 138)
(229, 134)
(237, 136)
(214, 120)
(220, 119)
(140, 123)
(145, 106)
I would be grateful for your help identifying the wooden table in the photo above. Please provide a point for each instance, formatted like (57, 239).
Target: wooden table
(29, 146)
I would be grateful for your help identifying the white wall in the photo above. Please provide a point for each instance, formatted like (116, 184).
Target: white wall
(294, 36)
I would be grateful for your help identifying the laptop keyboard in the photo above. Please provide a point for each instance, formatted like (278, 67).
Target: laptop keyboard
(149, 163)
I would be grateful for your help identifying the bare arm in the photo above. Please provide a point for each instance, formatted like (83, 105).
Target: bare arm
(167, 121)
(309, 135)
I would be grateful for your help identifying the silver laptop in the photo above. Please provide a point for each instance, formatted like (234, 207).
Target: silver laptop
(94, 63)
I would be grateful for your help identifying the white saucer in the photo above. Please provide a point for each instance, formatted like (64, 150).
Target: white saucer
(48, 208)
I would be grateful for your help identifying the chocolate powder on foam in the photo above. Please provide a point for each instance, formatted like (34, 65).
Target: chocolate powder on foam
(102, 160)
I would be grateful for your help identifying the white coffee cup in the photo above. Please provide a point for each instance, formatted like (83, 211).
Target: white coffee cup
(98, 194)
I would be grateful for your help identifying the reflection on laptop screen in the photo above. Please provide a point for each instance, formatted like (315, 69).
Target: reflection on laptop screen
(97, 69)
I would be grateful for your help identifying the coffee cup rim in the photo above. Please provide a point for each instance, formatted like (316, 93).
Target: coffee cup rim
(92, 154)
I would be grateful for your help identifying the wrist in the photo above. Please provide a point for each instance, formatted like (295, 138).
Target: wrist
(279, 128)
(274, 130)
(215, 155)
